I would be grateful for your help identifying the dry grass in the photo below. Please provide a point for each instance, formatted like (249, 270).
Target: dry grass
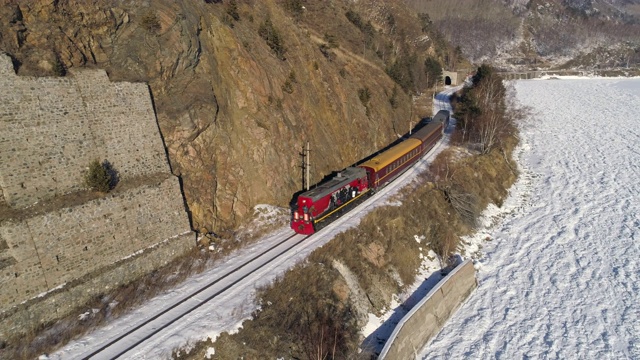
(294, 321)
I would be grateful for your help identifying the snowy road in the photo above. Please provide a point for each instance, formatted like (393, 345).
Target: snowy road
(559, 279)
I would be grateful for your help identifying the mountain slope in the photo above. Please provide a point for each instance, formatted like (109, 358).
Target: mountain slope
(540, 33)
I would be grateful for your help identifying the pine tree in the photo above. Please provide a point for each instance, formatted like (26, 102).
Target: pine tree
(97, 177)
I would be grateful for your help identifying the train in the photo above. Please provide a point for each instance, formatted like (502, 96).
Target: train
(314, 207)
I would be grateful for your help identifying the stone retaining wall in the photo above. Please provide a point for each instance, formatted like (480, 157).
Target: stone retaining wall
(58, 303)
(53, 261)
(55, 248)
(51, 128)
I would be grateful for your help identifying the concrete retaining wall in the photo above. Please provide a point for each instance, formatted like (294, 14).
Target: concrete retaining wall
(426, 319)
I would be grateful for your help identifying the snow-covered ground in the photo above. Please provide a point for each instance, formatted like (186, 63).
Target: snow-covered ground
(559, 278)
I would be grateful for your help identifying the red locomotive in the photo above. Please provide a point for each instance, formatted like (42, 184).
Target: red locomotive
(316, 205)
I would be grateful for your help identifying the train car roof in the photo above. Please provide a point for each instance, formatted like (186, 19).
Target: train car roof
(441, 115)
(341, 179)
(380, 161)
(426, 130)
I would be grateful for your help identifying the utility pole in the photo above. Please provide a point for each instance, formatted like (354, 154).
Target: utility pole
(308, 165)
(411, 116)
(305, 166)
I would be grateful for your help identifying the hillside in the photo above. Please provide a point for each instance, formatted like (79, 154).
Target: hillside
(240, 86)
(517, 34)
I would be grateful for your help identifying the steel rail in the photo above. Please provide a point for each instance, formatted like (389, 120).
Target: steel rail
(190, 297)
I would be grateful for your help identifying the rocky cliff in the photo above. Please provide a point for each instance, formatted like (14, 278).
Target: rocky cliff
(239, 86)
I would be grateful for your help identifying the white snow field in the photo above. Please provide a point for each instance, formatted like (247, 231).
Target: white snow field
(560, 277)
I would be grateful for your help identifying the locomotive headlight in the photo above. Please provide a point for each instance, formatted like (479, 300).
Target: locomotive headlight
(296, 216)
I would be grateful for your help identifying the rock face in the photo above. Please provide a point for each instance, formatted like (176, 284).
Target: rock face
(234, 115)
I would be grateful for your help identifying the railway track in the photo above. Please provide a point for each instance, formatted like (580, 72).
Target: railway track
(125, 345)
(147, 329)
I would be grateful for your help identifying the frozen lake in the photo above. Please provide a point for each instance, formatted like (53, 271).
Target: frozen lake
(559, 279)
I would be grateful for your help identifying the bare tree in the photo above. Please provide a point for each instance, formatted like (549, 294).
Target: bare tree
(443, 242)
(323, 331)
(464, 203)
(492, 122)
